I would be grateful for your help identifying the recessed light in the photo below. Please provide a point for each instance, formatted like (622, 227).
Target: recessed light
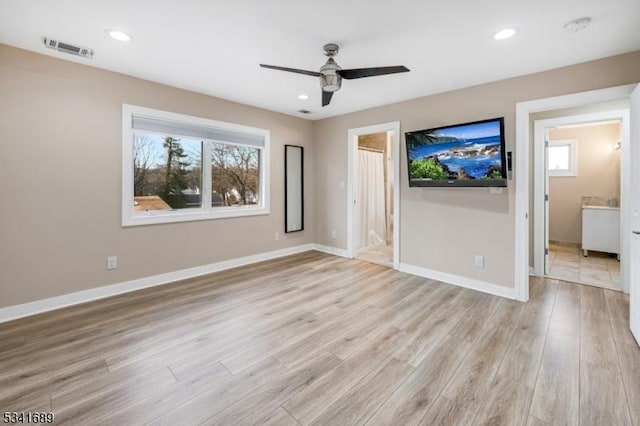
(303, 96)
(577, 25)
(504, 34)
(119, 35)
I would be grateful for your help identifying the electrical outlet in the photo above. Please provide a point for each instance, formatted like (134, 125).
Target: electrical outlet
(112, 262)
(479, 261)
(496, 190)
(334, 235)
(276, 236)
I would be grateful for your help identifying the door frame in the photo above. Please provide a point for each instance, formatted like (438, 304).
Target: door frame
(541, 212)
(352, 170)
(523, 167)
(634, 215)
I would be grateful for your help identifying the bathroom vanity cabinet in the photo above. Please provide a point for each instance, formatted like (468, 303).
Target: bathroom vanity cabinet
(600, 229)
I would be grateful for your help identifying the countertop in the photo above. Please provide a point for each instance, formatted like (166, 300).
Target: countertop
(600, 207)
(600, 203)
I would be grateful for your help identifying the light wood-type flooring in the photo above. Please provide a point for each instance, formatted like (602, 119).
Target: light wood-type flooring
(317, 339)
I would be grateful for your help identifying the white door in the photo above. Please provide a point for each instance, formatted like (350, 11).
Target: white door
(547, 263)
(634, 255)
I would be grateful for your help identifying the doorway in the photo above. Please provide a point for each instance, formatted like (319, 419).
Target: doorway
(582, 197)
(373, 194)
(528, 259)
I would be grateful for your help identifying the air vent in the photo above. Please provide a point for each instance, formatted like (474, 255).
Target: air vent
(73, 49)
(304, 111)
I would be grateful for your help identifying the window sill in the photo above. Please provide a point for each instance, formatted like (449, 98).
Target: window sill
(160, 217)
(562, 174)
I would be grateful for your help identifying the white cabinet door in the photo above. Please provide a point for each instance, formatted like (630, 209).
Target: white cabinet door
(601, 229)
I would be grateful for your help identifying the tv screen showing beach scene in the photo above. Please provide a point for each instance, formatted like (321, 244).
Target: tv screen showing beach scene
(469, 154)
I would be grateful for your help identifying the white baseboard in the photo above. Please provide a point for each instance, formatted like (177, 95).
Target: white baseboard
(27, 309)
(10, 313)
(496, 290)
(331, 250)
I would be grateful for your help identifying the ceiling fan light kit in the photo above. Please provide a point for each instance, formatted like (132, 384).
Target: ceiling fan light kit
(331, 74)
(330, 81)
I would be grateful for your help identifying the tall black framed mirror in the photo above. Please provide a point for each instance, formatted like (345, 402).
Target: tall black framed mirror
(293, 188)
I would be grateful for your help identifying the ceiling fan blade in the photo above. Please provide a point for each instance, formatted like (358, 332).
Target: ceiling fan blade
(326, 98)
(370, 72)
(305, 72)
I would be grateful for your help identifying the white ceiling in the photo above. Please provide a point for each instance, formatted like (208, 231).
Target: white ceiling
(214, 47)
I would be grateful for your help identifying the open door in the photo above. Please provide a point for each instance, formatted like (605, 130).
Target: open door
(547, 262)
(634, 255)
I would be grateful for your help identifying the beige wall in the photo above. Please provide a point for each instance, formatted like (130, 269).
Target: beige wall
(374, 141)
(61, 177)
(442, 229)
(598, 176)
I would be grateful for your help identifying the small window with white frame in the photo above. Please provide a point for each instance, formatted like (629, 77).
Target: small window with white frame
(180, 168)
(562, 158)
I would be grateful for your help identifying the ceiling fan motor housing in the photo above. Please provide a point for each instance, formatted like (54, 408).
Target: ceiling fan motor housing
(329, 80)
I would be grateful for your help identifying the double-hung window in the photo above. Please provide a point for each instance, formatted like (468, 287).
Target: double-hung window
(180, 168)
(562, 158)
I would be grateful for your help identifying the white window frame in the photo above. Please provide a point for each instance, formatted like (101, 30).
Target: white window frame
(573, 158)
(206, 211)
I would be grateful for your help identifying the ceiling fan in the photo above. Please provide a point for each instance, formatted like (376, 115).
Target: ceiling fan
(331, 74)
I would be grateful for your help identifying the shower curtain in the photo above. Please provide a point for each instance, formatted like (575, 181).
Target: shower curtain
(370, 198)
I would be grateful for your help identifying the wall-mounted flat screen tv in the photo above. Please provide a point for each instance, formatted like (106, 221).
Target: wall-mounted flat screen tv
(468, 154)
